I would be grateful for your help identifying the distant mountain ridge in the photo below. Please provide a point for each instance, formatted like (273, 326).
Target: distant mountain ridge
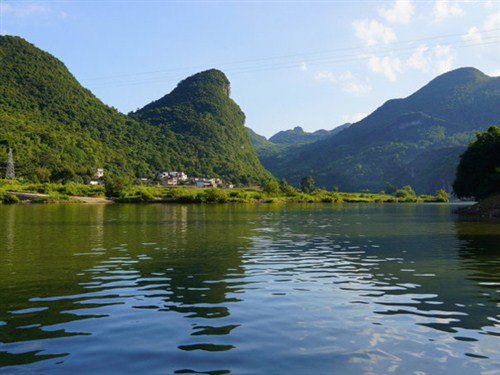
(297, 135)
(60, 131)
(416, 140)
(289, 138)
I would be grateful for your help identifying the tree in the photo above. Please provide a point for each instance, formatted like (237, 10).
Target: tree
(271, 188)
(307, 185)
(42, 174)
(406, 192)
(286, 188)
(442, 195)
(10, 173)
(478, 172)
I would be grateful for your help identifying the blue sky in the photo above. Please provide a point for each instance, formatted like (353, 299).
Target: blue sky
(315, 64)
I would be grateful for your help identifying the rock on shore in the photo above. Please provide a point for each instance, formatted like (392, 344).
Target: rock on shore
(489, 207)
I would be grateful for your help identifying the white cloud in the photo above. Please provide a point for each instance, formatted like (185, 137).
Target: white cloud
(444, 59)
(488, 4)
(484, 33)
(354, 118)
(492, 22)
(356, 88)
(473, 35)
(420, 60)
(372, 32)
(24, 10)
(303, 66)
(346, 80)
(438, 59)
(325, 75)
(401, 12)
(444, 9)
(388, 66)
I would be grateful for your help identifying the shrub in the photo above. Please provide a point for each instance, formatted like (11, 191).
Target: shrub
(9, 198)
(214, 195)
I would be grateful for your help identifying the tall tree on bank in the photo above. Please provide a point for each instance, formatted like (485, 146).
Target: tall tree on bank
(478, 173)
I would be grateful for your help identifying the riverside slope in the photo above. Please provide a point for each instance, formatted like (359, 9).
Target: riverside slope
(413, 141)
(59, 131)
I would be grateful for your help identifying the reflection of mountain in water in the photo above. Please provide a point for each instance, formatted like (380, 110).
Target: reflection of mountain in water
(403, 260)
(200, 259)
(38, 268)
(85, 262)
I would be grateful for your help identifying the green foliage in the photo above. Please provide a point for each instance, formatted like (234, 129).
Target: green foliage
(60, 132)
(8, 198)
(213, 195)
(286, 189)
(416, 140)
(297, 135)
(113, 187)
(478, 173)
(307, 185)
(209, 129)
(124, 192)
(406, 193)
(442, 196)
(271, 188)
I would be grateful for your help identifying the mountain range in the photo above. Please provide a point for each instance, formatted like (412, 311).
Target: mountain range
(413, 141)
(60, 131)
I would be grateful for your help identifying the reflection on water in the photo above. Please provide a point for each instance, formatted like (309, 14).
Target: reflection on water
(247, 289)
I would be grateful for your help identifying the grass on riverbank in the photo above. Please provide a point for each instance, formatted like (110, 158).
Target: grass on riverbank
(59, 193)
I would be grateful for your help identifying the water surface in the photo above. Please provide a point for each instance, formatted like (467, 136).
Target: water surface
(248, 289)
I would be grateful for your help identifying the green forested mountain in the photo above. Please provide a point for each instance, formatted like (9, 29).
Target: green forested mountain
(415, 141)
(297, 135)
(262, 145)
(478, 173)
(208, 127)
(60, 131)
(288, 139)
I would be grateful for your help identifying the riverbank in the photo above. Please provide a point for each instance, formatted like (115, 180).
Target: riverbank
(79, 193)
(489, 207)
(26, 197)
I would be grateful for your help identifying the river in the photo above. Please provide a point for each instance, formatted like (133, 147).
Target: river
(248, 289)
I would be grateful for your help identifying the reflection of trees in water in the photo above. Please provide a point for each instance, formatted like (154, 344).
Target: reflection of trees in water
(38, 267)
(460, 291)
(479, 254)
(200, 255)
(182, 259)
(406, 259)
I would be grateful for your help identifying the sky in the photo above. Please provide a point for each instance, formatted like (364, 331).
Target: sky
(314, 64)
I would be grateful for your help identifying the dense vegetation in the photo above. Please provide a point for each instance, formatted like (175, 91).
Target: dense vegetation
(478, 173)
(414, 141)
(209, 129)
(271, 192)
(297, 135)
(61, 132)
(288, 139)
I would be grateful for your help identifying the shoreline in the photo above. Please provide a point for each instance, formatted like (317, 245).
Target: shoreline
(26, 197)
(78, 193)
(40, 198)
(486, 208)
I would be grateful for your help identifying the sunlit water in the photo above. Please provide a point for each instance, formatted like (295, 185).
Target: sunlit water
(248, 289)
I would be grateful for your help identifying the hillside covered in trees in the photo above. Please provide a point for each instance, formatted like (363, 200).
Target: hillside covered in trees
(478, 173)
(414, 141)
(60, 131)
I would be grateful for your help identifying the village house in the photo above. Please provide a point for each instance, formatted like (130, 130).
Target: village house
(98, 178)
(172, 178)
(180, 178)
